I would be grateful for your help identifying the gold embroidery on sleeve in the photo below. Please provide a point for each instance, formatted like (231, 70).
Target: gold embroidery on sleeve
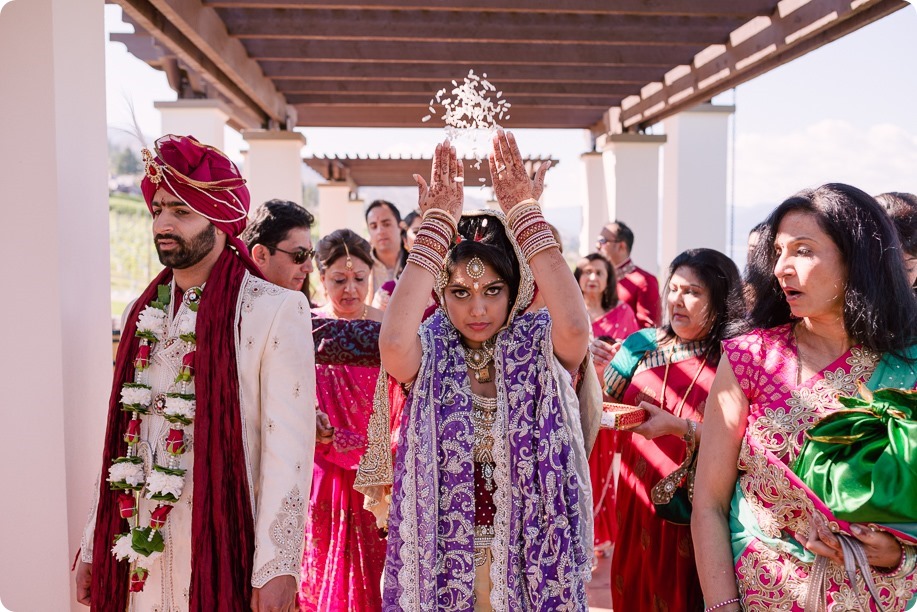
(286, 532)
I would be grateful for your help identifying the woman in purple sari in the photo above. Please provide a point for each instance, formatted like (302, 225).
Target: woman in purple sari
(490, 509)
(833, 310)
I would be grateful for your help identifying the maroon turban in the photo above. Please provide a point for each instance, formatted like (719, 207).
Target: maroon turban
(200, 176)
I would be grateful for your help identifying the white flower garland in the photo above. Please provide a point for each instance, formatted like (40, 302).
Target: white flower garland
(164, 484)
(179, 407)
(125, 472)
(139, 395)
(142, 545)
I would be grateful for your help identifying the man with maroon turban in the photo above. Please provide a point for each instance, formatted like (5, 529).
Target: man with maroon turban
(211, 423)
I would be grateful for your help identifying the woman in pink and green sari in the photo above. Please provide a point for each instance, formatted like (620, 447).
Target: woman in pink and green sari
(344, 553)
(834, 310)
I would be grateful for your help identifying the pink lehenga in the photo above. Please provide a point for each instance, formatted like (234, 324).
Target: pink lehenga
(618, 323)
(772, 510)
(344, 552)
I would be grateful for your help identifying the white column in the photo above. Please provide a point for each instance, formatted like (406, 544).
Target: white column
(273, 165)
(632, 181)
(55, 369)
(694, 205)
(595, 212)
(337, 210)
(204, 119)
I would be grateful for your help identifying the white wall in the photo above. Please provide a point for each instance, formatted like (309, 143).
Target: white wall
(695, 198)
(55, 369)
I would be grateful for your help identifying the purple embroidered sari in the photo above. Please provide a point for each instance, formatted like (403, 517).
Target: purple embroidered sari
(540, 553)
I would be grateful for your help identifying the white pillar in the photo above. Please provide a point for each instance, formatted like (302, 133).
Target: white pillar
(632, 180)
(55, 369)
(694, 206)
(205, 119)
(336, 209)
(273, 165)
(595, 212)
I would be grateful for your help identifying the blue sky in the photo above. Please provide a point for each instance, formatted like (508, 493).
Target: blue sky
(841, 113)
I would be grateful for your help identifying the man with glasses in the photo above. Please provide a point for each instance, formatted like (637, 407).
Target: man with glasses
(636, 286)
(281, 244)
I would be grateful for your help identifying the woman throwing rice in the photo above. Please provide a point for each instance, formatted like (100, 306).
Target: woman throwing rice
(491, 508)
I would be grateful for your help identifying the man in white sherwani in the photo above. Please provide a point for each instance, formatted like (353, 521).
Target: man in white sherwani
(207, 463)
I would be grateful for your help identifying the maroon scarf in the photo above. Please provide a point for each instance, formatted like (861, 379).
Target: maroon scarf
(222, 525)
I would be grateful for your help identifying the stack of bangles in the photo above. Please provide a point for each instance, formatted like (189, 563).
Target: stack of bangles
(908, 561)
(722, 604)
(433, 240)
(532, 232)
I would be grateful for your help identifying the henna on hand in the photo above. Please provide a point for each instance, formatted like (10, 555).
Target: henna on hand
(511, 181)
(446, 188)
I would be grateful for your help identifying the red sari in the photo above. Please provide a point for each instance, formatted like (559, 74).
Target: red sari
(617, 323)
(653, 567)
(344, 553)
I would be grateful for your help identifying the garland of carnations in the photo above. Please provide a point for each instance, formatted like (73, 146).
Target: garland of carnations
(142, 545)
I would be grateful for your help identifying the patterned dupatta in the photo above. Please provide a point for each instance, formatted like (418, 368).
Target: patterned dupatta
(641, 351)
(772, 510)
(540, 559)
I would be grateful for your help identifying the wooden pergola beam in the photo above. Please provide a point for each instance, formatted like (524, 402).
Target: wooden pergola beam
(737, 8)
(410, 115)
(376, 171)
(788, 36)
(443, 73)
(427, 87)
(197, 35)
(549, 53)
(441, 26)
(518, 101)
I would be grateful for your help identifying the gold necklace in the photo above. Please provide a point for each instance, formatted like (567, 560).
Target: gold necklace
(335, 315)
(478, 360)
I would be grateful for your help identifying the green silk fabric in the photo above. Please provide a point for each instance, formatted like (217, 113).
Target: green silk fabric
(625, 363)
(862, 461)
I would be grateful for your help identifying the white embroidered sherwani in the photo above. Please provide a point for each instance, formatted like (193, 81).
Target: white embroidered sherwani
(276, 365)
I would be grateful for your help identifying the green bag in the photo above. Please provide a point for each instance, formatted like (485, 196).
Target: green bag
(862, 461)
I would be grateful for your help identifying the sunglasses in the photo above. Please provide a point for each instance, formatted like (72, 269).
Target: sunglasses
(603, 240)
(300, 256)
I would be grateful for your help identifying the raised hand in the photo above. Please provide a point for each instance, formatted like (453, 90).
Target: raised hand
(507, 171)
(447, 181)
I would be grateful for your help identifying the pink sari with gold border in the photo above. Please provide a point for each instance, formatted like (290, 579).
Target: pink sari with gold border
(772, 510)
(617, 323)
(344, 552)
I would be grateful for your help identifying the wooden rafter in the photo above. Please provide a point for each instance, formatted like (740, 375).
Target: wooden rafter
(789, 35)
(376, 171)
(197, 35)
(602, 65)
(739, 8)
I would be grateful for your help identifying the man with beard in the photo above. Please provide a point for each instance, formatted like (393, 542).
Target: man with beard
(211, 424)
